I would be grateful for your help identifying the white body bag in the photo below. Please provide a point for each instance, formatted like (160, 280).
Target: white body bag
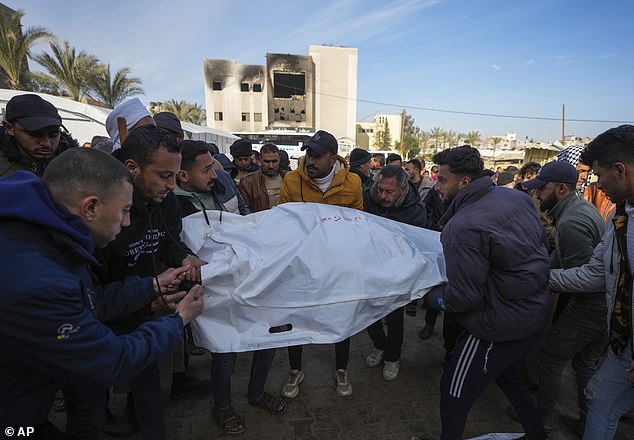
(305, 273)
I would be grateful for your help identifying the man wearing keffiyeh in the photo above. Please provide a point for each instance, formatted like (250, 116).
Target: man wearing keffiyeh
(611, 391)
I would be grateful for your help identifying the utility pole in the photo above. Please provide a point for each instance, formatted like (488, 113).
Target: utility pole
(563, 124)
(402, 132)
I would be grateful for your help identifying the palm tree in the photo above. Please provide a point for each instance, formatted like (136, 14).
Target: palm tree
(15, 48)
(423, 139)
(448, 138)
(495, 140)
(436, 134)
(473, 138)
(75, 71)
(185, 111)
(109, 92)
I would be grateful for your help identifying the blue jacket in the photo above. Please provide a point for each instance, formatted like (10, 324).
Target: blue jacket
(50, 331)
(497, 266)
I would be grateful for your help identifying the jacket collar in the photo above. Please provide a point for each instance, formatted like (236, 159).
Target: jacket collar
(478, 188)
(563, 205)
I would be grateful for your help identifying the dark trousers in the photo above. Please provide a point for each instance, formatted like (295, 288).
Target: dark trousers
(85, 411)
(578, 335)
(222, 366)
(148, 402)
(473, 366)
(393, 342)
(342, 353)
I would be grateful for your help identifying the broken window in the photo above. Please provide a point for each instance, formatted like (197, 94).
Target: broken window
(257, 117)
(244, 87)
(217, 116)
(216, 85)
(257, 87)
(287, 85)
(245, 117)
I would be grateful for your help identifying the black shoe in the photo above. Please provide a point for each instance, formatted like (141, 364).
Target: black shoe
(426, 331)
(187, 387)
(575, 425)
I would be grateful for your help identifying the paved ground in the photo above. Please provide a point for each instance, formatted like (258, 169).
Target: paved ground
(377, 409)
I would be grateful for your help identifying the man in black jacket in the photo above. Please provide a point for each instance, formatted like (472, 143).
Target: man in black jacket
(149, 244)
(392, 196)
(497, 288)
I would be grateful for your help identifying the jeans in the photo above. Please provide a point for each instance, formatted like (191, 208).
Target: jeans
(222, 365)
(393, 342)
(578, 335)
(610, 395)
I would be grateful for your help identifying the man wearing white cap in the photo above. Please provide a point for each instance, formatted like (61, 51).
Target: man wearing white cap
(135, 115)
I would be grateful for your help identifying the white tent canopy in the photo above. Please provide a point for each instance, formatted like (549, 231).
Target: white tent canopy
(84, 121)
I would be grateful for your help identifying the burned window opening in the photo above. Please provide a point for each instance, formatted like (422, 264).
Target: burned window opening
(289, 85)
(244, 87)
(216, 85)
(257, 87)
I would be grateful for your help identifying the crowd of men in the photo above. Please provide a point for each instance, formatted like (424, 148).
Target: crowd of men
(99, 288)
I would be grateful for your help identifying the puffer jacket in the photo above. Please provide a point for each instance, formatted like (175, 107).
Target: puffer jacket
(497, 269)
(599, 274)
(344, 190)
(51, 310)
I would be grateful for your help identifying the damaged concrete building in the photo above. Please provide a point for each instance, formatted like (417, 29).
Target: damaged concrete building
(302, 93)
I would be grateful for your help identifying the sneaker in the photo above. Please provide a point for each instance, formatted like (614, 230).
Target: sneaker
(291, 389)
(120, 427)
(344, 388)
(375, 358)
(426, 331)
(188, 386)
(390, 370)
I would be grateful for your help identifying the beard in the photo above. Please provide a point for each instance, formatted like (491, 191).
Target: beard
(548, 203)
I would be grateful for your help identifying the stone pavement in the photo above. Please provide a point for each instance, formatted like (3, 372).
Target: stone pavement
(376, 410)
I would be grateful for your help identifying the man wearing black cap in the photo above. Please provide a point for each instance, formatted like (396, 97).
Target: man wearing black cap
(322, 176)
(579, 333)
(242, 151)
(169, 122)
(360, 165)
(31, 135)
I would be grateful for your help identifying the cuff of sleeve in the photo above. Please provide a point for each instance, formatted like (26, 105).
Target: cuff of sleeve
(146, 287)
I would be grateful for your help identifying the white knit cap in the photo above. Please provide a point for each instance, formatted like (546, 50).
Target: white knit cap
(132, 110)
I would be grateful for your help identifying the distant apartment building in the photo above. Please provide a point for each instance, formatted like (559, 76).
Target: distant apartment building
(302, 93)
(367, 131)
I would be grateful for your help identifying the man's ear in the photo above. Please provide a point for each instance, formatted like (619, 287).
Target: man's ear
(133, 167)
(183, 176)
(621, 169)
(88, 207)
(9, 128)
(464, 181)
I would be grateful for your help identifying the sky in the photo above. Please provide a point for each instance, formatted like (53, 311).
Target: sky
(512, 57)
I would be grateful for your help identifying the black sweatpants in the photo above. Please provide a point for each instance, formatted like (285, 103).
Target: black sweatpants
(476, 363)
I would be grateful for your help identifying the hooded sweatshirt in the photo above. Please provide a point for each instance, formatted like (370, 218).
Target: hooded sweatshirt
(50, 307)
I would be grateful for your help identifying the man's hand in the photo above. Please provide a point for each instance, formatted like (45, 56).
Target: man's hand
(168, 301)
(170, 279)
(191, 305)
(630, 373)
(431, 298)
(193, 274)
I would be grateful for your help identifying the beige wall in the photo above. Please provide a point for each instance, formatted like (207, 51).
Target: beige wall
(231, 100)
(365, 135)
(394, 123)
(336, 91)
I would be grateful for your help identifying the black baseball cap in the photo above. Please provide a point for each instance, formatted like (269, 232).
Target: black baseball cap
(168, 121)
(559, 171)
(32, 112)
(322, 142)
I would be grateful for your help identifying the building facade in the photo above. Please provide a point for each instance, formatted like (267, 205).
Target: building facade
(369, 134)
(303, 93)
